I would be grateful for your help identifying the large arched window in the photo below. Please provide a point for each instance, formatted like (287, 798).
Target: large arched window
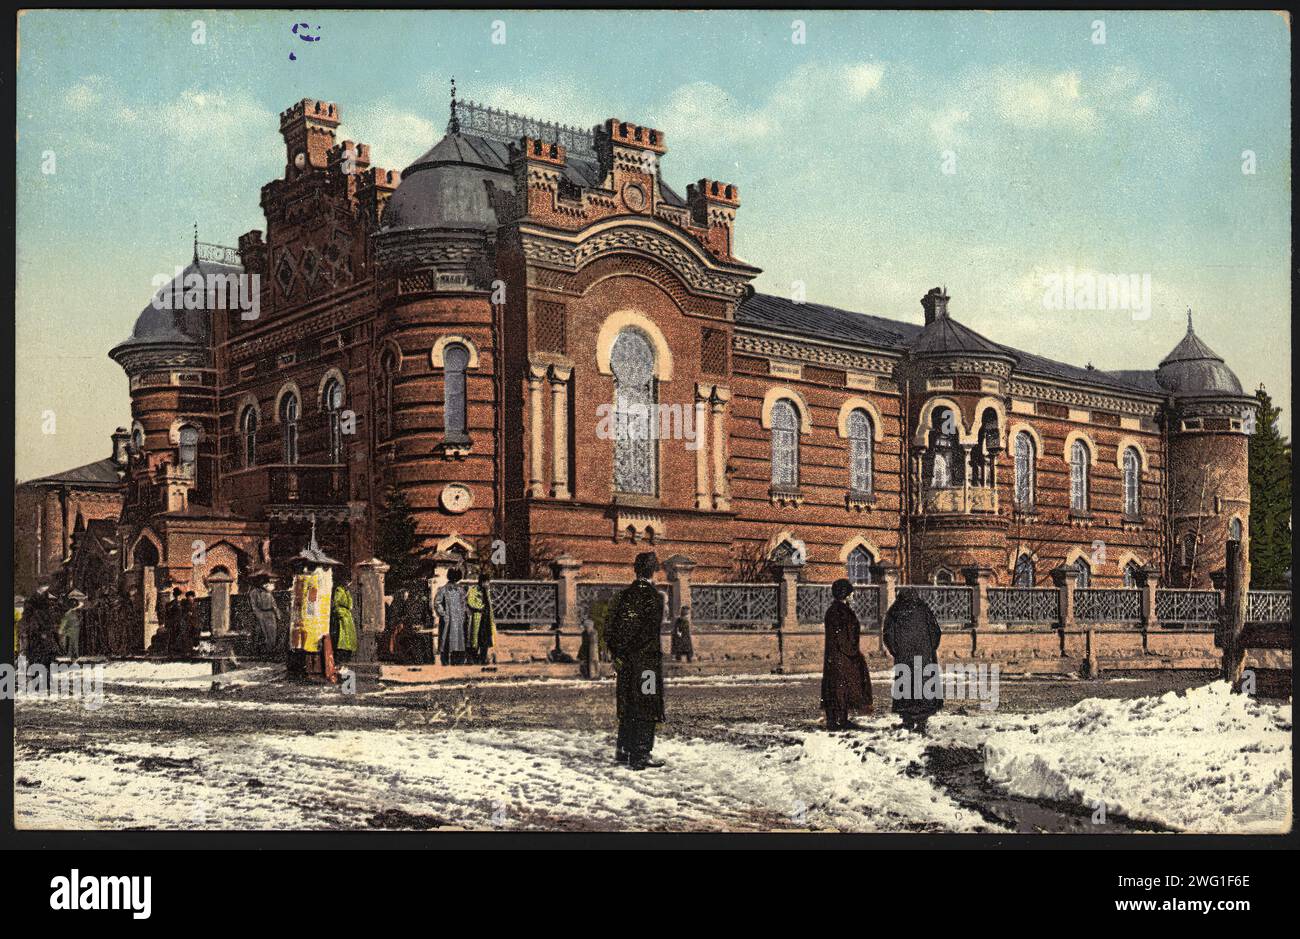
(1234, 529)
(189, 449)
(455, 359)
(632, 360)
(1079, 458)
(946, 470)
(1024, 572)
(1132, 482)
(1082, 573)
(248, 435)
(1131, 574)
(859, 565)
(785, 444)
(1025, 458)
(289, 427)
(860, 455)
(332, 403)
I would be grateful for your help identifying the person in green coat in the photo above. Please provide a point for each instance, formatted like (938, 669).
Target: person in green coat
(482, 631)
(342, 626)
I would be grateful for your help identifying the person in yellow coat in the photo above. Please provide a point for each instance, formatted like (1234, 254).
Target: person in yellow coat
(482, 631)
(343, 627)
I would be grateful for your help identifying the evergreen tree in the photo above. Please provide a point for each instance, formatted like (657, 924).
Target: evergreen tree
(1270, 498)
(396, 542)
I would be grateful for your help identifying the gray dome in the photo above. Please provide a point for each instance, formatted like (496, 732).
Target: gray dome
(1194, 368)
(446, 188)
(164, 324)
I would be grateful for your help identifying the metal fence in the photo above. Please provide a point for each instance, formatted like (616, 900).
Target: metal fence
(595, 596)
(1093, 605)
(949, 604)
(524, 602)
(1028, 606)
(734, 604)
(1269, 606)
(814, 599)
(1187, 606)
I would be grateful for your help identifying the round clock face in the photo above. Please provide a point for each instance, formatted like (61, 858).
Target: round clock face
(300, 159)
(634, 196)
(456, 498)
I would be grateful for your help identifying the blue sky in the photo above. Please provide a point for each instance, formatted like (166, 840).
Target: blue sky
(1122, 157)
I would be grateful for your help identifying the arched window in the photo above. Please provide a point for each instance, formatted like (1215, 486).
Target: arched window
(860, 454)
(1234, 529)
(248, 433)
(332, 402)
(289, 426)
(387, 368)
(189, 450)
(1131, 574)
(946, 470)
(455, 359)
(137, 439)
(943, 577)
(785, 444)
(632, 360)
(1082, 573)
(1132, 482)
(1025, 458)
(1024, 572)
(859, 565)
(1079, 458)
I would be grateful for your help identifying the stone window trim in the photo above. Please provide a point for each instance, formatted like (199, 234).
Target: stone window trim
(924, 423)
(174, 431)
(437, 355)
(785, 393)
(859, 403)
(614, 325)
(1126, 442)
(335, 374)
(288, 388)
(1093, 450)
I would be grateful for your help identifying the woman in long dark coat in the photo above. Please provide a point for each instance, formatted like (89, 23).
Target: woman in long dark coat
(912, 637)
(846, 682)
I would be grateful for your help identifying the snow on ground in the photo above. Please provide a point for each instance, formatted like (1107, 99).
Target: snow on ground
(1207, 761)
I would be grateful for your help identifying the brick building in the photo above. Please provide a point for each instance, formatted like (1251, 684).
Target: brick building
(542, 342)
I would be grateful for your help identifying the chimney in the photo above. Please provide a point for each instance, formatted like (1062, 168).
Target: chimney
(935, 304)
(121, 437)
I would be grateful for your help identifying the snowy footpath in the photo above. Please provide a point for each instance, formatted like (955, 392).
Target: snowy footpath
(1203, 761)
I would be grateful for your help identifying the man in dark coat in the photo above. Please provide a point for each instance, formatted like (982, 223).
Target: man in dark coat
(267, 631)
(682, 647)
(633, 637)
(912, 637)
(846, 682)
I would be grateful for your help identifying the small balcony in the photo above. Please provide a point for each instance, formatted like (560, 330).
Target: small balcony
(256, 490)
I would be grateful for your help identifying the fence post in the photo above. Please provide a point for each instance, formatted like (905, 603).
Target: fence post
(566, 570)
(678, 568)
(1232, 615)
(886, 575)
(787, 595)
(977, 578)
(218, 585)
(370, 590)
(1064, 579)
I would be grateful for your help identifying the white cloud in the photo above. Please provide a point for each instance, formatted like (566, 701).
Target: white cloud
(396, 137)
(85, 93)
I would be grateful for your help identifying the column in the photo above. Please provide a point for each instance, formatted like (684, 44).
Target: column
(1064, 579)
(703, 487)
(560, 430)
(566, 572)
(886, 575)
(1148, 581)
(978, 578)
(219, 588)
(536, 457)
(721, 494)
(373, 614)
(678, 568)
(149, 604)
(788, 595)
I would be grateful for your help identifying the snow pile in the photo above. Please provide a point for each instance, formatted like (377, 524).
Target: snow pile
(487, 779)
(1208, 761)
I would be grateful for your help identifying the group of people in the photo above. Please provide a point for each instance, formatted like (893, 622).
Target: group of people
(632, 636)
(270, 633)
(180, 628)
(456, 628)
(72, 625)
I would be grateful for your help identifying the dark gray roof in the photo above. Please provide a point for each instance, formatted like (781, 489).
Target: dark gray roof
(163, 325)
(445, 188)
(816, 321)
(100, 473)
(1194, 368)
